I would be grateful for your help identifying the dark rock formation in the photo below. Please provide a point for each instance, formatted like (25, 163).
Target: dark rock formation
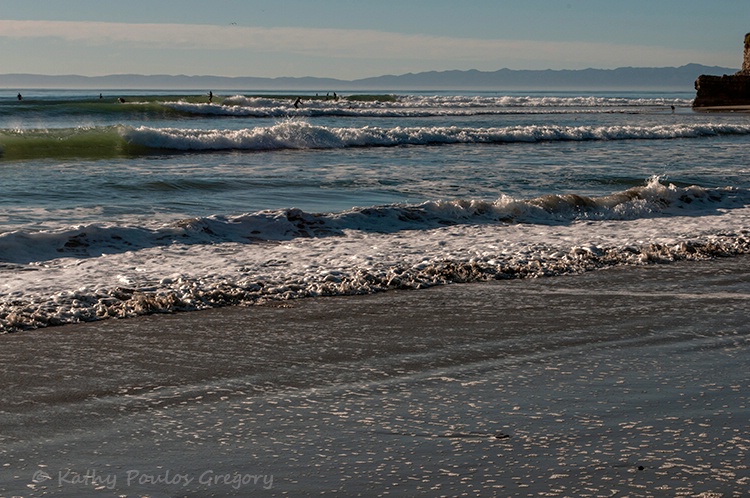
(746, 60)
(728, 90)
(722, 91)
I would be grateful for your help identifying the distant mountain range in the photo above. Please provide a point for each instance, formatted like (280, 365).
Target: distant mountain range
(625, 78)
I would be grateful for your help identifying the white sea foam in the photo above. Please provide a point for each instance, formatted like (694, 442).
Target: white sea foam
(95, 272)
(448, 101)
(651, 200)
(299, 134)
(182, 277)
(420, 106)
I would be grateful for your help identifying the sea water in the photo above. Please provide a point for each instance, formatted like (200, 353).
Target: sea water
(128, 203)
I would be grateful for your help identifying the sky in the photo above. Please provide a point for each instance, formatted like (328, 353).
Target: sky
(353, 39)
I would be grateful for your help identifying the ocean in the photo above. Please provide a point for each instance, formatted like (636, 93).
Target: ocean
(375, 294)
(146, 202)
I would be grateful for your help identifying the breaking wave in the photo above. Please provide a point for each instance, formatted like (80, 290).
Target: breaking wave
(295, 134)
(154, 107)
(94, 272)
(125, 141)
(654, 199)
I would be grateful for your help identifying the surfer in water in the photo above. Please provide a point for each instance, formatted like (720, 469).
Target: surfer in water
(297, 103)
(210, 96)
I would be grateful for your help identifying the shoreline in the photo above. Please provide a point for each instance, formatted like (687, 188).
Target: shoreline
(629, 381)
(722, 108)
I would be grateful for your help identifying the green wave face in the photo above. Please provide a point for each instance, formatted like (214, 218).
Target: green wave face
(83, 143)
(131, 106)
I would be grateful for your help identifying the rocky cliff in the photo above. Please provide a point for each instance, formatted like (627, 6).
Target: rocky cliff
(728, 90)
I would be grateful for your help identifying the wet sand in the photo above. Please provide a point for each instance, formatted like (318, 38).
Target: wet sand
(623, 382)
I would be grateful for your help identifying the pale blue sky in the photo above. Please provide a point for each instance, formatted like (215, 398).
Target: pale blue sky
(356, 39)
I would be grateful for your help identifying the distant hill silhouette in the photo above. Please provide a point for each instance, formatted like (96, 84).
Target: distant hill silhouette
(634, 78)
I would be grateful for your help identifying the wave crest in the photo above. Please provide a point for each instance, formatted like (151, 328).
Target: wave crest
(654, 198)
(299, 134)
(120, 141)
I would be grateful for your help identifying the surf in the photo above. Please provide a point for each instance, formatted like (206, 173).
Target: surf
(654, 199)
(299, 134)
(101, 142)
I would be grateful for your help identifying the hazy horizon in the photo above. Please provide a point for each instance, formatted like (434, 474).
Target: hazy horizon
(674, 78)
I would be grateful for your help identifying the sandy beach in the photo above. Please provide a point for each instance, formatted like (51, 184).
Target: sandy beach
(508, 388)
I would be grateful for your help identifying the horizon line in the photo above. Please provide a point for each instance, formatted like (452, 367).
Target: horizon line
(183, 75)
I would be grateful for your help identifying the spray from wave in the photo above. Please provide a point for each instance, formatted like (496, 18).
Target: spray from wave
(653, 199)
(297, 134)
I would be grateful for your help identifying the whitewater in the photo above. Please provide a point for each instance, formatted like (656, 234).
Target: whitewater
(164, 202)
